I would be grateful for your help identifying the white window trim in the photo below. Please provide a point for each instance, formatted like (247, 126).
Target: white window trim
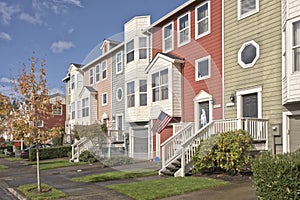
(241, 63)
(292, 45)
(92, 69)
(102, 70)
(146, 93)
(160, 86)
(256, 10)
(98, 65)
(117, 94)
(239, 100)
(209, 68)
(171, 36)
(178, 32)
(143, 48)
(134, 94)
(61, 110)
(127, 52)
(40, 125)
(119, 72)
(196, 22)
(104, 93)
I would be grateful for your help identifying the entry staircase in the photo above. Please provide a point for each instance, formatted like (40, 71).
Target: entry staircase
(115, 138)
(178, 150)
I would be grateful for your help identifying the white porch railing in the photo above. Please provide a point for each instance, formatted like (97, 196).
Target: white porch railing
(186, 147)
(116, 136)
(77, 148)
(172, 146)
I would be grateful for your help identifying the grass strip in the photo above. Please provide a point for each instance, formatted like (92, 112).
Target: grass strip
(165, 187)
(3, 167)
(57, 163)
(14, 159)
(116, 175)
(47, 192)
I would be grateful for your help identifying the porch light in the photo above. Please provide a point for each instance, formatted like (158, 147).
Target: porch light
(232, 98)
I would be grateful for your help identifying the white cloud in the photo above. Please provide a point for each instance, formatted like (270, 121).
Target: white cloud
(74, 2)
(71, 30)
(56, 6)
(5, 80)
(60, 46)
(56, 90)
(31, 19)
(6, 12)
(5, 36)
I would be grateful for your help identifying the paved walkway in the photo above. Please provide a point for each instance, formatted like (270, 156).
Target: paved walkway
(19, 174)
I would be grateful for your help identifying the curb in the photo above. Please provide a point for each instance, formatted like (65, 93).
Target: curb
(16, 194)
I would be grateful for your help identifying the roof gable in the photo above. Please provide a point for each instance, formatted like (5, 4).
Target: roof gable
(167, 57)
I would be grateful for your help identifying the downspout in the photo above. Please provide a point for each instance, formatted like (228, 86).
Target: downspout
(223, 66)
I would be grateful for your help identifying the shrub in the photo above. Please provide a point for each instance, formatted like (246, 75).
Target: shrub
(116, 161)
(50, 152)
(277, 177)
(87, 156)
(228, 151)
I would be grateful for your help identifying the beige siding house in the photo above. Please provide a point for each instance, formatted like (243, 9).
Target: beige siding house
(252, 67)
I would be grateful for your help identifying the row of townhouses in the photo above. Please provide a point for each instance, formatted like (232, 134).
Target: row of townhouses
(207, 66)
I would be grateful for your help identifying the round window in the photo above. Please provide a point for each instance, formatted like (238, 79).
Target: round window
(119, 94)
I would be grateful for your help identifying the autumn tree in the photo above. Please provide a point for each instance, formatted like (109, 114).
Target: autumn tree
(34, 106)
(5, 108)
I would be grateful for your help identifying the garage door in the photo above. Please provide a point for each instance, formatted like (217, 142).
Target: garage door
(140, 143)
(295, 133)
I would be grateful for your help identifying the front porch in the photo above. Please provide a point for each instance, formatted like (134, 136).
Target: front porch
(178, 150)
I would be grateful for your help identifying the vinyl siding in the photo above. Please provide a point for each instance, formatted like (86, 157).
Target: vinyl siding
(210, 44)
(264, 28)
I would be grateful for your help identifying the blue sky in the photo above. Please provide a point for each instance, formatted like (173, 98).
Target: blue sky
(63, 31)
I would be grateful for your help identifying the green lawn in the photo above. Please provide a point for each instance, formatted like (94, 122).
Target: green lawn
(155, 189)
(55, 163)
(3, 167)
(116, 175)
(14, 159)
(48, 192)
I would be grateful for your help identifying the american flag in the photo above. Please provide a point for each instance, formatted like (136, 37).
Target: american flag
(161, 122)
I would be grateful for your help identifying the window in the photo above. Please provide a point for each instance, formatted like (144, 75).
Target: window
(40, 123)
(119, 62)
(142, 48)
(247, 8)
(57, 110)
(73, 110)
(79, 112)
(202, 70)
(72, 82)
(143, 92)
(168, 37)
(248, 54)
(296, 46)
(85, 107)
(104, 99)
(130, 94)
(104, 67)
(119, 94)
(79, 81)
(203, 20)
(91, 76)
(97, 73)
(184, 29)
(160, 85)
(130, 51)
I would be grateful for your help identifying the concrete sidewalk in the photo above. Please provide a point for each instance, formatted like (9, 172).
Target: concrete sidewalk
(19, 174)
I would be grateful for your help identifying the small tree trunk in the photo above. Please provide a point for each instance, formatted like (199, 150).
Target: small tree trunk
(38, 169)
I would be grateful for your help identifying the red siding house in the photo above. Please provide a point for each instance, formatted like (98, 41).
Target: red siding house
(185, 73)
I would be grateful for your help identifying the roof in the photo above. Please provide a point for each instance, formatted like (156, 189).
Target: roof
(91, 89)
(166, 56)
(189, 2)
(76, 65)
(56, 94)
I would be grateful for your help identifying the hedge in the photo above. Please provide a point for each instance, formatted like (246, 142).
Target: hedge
(277, 177)
(50, 153)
